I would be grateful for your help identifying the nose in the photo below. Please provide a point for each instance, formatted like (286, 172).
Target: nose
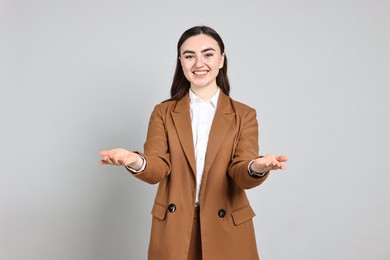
(199, 62)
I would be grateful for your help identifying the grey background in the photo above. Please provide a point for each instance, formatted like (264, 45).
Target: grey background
(81, 76)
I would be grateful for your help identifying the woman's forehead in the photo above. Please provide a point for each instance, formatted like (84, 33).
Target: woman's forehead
(199, 42)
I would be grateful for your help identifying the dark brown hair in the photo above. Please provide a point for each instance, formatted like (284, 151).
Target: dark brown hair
(180, 84)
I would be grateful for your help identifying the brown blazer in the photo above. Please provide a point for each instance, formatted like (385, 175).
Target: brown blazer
(225, 214)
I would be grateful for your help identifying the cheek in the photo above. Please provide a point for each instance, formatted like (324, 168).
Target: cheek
(185, 66)
(218, 64)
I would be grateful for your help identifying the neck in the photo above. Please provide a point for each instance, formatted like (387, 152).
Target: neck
(205, 93)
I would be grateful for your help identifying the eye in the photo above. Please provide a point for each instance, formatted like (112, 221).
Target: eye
(209, 55)
(187, 57)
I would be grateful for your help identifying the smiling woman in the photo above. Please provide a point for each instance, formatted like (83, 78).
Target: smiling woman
(202, 149)
(209, 43)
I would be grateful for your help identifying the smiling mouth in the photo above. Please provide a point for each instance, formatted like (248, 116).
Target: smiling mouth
(200, 72)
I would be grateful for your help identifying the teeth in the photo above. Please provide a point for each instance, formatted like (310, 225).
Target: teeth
(200, 72)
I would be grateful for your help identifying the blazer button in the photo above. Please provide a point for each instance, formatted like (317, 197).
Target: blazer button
(172, 208)
(222, 213)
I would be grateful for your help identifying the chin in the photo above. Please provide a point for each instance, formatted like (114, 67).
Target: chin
(198, 84)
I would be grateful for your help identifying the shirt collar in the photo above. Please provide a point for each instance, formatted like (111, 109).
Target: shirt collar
(213, 100)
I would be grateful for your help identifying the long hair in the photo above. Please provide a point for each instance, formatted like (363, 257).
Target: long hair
(180, 84)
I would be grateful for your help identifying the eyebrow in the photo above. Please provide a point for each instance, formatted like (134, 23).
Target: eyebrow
(202, 51)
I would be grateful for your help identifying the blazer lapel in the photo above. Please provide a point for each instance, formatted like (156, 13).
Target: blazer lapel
(182, 121)
(222, 120)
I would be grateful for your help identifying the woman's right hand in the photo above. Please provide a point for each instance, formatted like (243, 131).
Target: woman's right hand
(121, 157)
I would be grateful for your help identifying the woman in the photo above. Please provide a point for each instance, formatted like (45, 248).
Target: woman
(202, 149)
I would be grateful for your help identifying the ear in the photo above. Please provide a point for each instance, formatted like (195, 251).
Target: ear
(180, 62)
(222, 60)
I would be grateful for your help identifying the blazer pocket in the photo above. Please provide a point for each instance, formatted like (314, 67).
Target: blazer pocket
(159, 211)
(243, 215)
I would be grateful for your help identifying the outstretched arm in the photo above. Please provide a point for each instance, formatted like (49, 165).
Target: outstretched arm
(154, 164)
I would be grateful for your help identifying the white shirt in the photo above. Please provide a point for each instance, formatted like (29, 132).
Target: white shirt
(202, 115)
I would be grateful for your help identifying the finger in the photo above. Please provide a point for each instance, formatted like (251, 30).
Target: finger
(117, 160)
(281, 167)
(107, 153)
(112, 160)
(281, 158)
(121, 161)
(276, 164)
(104, 161)
(103, 153)
(107, 159)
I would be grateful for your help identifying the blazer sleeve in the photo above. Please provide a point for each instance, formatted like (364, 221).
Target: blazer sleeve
(247, 149)
(156, 151)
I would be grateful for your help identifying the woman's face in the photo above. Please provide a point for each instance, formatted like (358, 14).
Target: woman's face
(201, 59)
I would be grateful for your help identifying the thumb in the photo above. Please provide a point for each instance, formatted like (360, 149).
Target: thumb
(282, 158)
(106, 153)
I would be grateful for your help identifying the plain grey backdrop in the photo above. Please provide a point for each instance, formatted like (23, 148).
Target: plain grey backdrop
(80, 76)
